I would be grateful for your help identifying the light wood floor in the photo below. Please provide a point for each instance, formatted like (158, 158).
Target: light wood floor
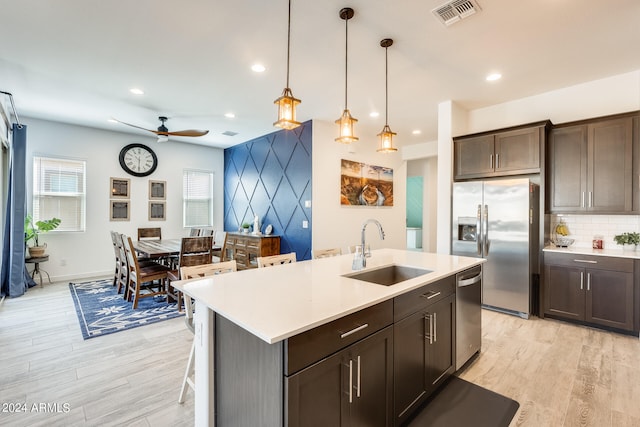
(561, 374)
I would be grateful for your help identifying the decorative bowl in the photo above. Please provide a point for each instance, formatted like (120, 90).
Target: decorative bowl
(563, 242)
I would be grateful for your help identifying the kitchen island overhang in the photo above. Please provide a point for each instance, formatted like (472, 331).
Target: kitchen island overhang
(275, 304)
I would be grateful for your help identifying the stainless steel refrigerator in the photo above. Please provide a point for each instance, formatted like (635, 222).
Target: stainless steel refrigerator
(499, 220)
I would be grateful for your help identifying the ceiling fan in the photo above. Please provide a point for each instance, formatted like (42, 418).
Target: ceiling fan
(164, 133)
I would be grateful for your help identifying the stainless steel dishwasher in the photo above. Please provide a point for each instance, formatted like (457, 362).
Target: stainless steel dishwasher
(468, 314)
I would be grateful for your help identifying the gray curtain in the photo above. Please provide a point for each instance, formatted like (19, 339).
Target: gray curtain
(15, 278)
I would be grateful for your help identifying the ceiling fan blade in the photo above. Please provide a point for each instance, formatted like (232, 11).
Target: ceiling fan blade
(187, 132)
(134, 126)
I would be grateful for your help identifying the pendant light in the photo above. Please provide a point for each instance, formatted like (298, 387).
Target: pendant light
(346, 122)
(386, 136)
(287, 103)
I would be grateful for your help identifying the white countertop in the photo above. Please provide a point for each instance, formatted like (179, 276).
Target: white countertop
(276, 303)
(589, 251)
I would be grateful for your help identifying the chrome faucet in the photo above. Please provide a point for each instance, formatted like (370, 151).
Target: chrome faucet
(360, 259)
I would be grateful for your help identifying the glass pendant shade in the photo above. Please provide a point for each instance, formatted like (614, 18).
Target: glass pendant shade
(386, 140)
(287, 110)
(346, 122)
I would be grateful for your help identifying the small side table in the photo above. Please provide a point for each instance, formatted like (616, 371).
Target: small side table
(36, 267)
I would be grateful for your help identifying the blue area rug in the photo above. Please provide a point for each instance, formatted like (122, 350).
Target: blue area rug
(102, 311)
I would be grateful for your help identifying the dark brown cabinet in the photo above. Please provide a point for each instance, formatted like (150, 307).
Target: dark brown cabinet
(424, 353)
(593, 289)
(590, 167)
(350, 388)
(500, 153)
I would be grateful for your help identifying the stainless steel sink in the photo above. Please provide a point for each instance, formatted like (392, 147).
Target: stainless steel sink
(389, 275)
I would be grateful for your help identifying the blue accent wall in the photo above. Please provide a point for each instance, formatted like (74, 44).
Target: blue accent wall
(270, 176)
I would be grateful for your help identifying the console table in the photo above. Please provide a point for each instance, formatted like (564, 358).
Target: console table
(245, 248)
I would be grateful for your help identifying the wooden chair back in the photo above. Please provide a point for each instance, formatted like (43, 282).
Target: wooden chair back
(195, 251)
(153, 233)
(204, 270)
(155, 275)
(325, 253)
(207, 232)
(122, 267)
(273, 260)
(194, 232)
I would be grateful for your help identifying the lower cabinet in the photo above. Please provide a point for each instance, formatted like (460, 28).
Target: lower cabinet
(350, 388)
(592, 289)
(424, 355)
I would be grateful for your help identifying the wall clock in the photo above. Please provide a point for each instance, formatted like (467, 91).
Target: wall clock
(138, 160)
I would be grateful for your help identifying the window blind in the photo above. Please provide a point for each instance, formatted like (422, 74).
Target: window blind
(59, 191)
(197, 198)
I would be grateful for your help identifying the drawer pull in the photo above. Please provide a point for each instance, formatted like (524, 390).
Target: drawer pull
(588, 261)
(353, 331)
(431, 294)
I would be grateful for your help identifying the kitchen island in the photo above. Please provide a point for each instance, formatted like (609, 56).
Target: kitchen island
(264, 327)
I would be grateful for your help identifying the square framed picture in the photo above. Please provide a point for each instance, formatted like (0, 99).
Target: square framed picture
(119, 210)
(157, 190)
(157, 211)
(120, 188)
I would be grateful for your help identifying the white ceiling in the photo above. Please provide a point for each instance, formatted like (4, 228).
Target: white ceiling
(75, 60)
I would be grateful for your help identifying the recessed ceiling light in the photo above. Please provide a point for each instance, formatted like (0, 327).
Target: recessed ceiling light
(374, 114)
(416, 132)
(112, 120)
(136, 91)
(493, 77)
(258, 68)
(229, 115)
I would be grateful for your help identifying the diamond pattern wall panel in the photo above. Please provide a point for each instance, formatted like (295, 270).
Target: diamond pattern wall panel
(270, 176)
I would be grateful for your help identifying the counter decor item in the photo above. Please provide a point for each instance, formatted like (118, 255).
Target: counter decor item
(561, 232)
(628, 240)
(598, 242)
(245, 227)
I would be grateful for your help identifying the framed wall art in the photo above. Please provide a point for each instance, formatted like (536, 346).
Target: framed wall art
(365, 185)
(120, 188)
(119, 210)
(157, 190)
(157, 211)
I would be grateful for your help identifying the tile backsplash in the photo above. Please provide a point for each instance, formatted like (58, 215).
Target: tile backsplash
(583, 228)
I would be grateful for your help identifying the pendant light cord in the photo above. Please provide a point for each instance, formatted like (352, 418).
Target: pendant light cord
(288, 41)
(386, 86)
(346, 56)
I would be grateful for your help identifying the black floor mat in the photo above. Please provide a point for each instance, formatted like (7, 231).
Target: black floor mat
(460, 404)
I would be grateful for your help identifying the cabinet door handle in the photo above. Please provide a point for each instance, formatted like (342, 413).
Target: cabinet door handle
(350, 381)
(353, 331)
(490, 161)
(358, 378)
(497, 161)
(590, 199)
(588, 281)
(435, 327)
(432, 294)
(581, 280)
(429, 336)
(588, 261)
(582, 202)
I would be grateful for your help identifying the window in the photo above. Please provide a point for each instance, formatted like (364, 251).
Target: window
(59, 191)
(197, 190)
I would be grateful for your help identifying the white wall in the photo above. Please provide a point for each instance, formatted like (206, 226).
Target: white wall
(335, 225)
(78, 255)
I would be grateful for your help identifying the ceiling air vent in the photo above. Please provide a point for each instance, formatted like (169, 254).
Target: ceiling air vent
(453, 11)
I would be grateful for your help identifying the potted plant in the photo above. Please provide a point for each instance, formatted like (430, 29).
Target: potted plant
(32, 232)
(629, 241)
(245, 227)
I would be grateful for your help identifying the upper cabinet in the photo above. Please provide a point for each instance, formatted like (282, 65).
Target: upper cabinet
(590, 167)
(500, 153)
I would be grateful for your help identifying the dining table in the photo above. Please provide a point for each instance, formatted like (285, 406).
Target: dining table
(162, 248)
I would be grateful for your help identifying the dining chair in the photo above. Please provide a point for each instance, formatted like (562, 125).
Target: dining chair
(207, 232)
(146, 281)
(193, 251)
(273, 260)
(194, 232)
(153, 233)
(325, 253)
(119, 261)
(219, 241)
(194, 272)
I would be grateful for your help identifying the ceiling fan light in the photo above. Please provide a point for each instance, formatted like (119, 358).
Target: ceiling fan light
(345, 123)
(287, 110)
(386, 140)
